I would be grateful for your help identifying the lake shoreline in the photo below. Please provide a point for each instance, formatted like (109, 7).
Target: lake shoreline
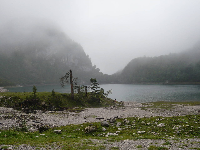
(162, 83)
(2, 89)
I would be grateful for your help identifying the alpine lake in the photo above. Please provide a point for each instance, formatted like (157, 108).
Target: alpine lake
(131, 92)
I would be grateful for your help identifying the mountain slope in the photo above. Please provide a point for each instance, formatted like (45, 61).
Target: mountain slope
(182, 67)
(41, 54)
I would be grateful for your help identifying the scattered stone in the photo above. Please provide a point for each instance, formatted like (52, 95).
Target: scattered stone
(126, 121)
(103, 129)
(111, 134)
(118, 124)
(140, 132)
(161, 125)
(3, 90)
(10, 118)
(112, 120)
(117, 132)
(57, 131)
(90, 129)
(104, 124)
(41, 127)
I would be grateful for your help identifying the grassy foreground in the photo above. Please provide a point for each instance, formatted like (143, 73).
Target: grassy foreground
(74, 136)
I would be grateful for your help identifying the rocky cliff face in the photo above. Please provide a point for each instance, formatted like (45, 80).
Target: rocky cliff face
(41, 54)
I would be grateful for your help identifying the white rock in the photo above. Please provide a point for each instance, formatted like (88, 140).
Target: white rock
(103, 129)
(139, 132)
(57, 131)
(161, 125)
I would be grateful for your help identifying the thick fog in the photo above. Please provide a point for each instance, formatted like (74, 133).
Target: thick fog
(113, 32)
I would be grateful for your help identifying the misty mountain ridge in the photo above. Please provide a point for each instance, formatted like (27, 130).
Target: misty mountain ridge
(172, 68)
(41, 54)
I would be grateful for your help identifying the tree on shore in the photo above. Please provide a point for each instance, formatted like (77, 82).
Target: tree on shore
(94, 86)
(68, 78)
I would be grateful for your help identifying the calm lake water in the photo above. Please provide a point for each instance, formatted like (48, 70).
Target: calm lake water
(130, 92)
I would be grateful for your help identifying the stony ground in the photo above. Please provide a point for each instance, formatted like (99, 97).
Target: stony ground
(3, 90)
(10, 118)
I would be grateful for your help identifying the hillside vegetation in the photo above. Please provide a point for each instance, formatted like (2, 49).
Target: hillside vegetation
(173, 68)
(41, 54)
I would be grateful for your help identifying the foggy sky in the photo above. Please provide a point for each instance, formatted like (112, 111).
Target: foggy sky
(113, 32)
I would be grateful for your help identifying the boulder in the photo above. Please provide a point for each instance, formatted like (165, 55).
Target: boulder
(126, 121)
(42, 127)
(103, 129)
(90, 129)
(118, 124)
(104, 124)
(112, 120)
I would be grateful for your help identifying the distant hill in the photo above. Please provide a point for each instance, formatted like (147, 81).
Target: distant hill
(172, 68)
(41, 54)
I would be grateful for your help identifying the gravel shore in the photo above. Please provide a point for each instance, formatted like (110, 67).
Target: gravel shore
(62, 118)
(3, 90)
(10, 117)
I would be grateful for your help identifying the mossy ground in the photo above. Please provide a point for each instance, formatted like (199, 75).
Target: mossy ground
(74, 136)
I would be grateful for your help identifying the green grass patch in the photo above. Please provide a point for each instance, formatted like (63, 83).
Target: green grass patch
(139, 146)
(167, 143)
